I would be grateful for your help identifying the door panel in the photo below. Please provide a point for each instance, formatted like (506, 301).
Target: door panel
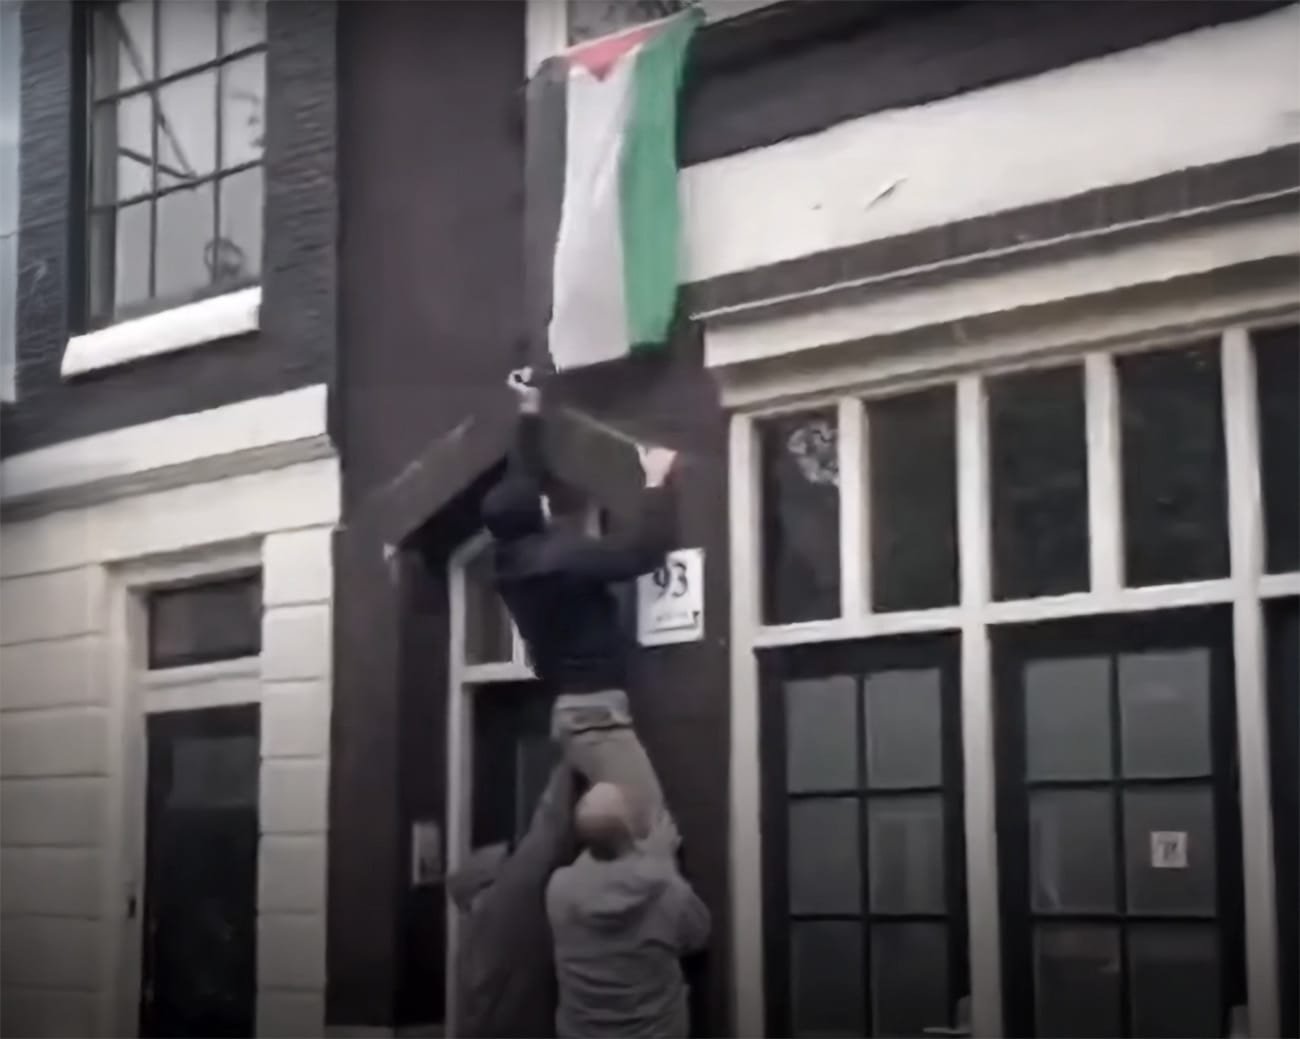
(201, 837)
(1119, 826)
(863, 838)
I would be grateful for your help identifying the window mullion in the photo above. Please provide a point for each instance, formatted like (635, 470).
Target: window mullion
(155, 114)
(1105, 504)
(1246, 545)
(854, 585)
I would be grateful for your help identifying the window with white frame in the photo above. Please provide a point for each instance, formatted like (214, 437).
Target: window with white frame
(1108, 526)
(10, 138)
(177, 140)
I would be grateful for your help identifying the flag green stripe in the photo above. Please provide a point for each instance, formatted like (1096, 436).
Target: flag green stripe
(648, 184)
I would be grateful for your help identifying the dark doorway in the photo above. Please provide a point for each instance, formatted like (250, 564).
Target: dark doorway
(1119, 826)
(863, 839)
(1283, 617)
(199, 974)
(513, 757)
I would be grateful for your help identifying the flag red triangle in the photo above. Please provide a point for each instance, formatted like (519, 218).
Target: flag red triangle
(601, 55)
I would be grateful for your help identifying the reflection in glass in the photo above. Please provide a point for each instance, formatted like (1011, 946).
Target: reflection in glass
(214, 772)
(909, 977)
(1067, 718)
(188, 34)
(1174, 981)
(904, 729)
(184, 227)
(906, 849)
(820, 733)
(488, 632)
(1172, 457)
(801, 517)
(1077, 981)
(825, 868)
(1038, 465)
(243, 89)
(235, 255)
(1072, 851)
(913, 488)
(1165, 709)
(826, 978)
(1277, 366)
(187, 141)
(1169, 844)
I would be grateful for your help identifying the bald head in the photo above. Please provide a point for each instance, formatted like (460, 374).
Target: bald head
(604, 821)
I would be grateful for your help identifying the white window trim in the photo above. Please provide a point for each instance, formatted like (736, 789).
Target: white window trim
(1244, 589)
(177, 328)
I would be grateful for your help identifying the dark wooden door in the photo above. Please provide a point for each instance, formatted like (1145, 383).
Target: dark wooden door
(199, 973)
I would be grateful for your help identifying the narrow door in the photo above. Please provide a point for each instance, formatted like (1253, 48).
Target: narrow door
(1119, 826)
(513, 757)
(864, 865)
(201, 833)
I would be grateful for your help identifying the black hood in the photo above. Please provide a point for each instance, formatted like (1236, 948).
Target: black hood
(513, 509)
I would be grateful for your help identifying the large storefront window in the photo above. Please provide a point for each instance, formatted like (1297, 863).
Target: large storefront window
(1090, 553)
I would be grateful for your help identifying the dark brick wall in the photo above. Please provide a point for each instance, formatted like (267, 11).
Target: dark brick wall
(295, 346)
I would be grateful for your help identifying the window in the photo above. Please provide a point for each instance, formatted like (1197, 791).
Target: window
(10, 134)
(200, 623)
(177, 130)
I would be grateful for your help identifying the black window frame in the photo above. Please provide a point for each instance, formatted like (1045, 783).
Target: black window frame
(97, 266)
(860, 658)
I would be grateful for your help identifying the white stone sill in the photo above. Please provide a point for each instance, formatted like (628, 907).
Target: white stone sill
(179, 328)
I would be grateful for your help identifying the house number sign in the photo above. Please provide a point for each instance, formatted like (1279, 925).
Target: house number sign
(670, 601)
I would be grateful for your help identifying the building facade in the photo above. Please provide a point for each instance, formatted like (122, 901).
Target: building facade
(167, 495)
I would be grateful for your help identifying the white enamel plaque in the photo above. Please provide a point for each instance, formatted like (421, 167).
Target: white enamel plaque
(670, 601)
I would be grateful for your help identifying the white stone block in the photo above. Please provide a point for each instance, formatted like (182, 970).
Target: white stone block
(297, 567)
(296, 643)
(50, 882)
(38, 1013)
(49, 952)
(290, 1015)
(52, 812)
(295, 796)
(64, 672)
(51, 606)
(56, 541)
(291, 951)
(295, 719)
(69, 741)
(291, 874)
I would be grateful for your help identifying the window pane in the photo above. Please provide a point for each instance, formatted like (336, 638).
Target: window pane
(821, 721)
(913, 480)
(1038, 465)
(187, 128)
(1277, 364)
(906, 847)
(243, 24)
(189, 34)
(122, 237)
(825, 870)
(1077, 981)
(1067, 719)
(1169, 844)
(239, 247)
(909, 978)
(123, 149)
(211, 772)
(184, 240)
(588, 19)
(217, 620)
(1175, 507)
(123, 46)
(826, 978)
(801, 517)
(1165, 707)
(904, 729)
(1174, 980)
(1072, 851)
(243, 93)
(488, 633)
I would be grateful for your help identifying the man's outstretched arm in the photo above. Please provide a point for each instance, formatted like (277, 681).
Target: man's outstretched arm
(526, 459)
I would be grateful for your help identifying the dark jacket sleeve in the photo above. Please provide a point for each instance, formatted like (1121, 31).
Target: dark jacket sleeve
(629, 553)
(525, 459)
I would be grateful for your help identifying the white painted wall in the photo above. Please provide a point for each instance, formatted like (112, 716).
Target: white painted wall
(68, 695)
(1198, 98)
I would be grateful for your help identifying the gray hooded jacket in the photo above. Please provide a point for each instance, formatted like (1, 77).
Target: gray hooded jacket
(621, 927)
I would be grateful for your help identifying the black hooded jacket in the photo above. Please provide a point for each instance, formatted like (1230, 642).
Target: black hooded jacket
(557, 582)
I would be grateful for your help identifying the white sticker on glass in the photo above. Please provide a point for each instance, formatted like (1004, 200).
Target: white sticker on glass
(1168, 849)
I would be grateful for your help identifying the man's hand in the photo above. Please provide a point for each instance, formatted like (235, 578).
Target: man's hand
(520, 382)
(657, 464)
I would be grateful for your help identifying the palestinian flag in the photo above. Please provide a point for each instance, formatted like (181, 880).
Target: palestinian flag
(603, 152)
